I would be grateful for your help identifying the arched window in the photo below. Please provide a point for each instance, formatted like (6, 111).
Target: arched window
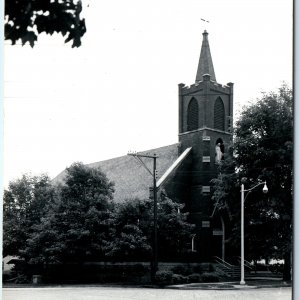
(219, 115)
(192, 115)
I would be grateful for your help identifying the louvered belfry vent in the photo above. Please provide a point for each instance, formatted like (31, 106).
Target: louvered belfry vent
(219, 115)
(193, 115)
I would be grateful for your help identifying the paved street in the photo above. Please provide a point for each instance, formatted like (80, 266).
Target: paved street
(118, 293)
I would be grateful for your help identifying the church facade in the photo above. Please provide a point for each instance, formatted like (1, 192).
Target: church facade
(186, 168)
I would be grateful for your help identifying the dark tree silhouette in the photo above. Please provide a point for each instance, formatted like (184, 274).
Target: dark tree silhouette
(262, 150)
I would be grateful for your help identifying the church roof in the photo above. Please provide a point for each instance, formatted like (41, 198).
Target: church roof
(131, 178)
(205, 65)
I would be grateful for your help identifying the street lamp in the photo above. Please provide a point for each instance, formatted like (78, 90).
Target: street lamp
(265, 190)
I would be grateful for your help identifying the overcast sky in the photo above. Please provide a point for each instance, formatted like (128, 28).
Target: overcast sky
(118, 91)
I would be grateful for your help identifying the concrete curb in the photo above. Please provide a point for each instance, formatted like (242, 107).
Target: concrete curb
(250, 284)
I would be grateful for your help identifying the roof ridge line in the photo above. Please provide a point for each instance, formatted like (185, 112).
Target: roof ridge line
(170, 170)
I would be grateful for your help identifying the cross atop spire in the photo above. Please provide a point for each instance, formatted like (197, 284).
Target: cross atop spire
(205, 65)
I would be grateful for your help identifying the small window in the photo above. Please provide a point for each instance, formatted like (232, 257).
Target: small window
(206, 159)
(205, 189)
(205, 224)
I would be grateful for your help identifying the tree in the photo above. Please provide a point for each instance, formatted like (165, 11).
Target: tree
(26, 19)
(262, 150)
(24, 204)
(132, 230)
(174, 232)
(76, 226)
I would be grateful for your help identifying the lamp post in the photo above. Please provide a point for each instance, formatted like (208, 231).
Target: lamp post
(265, 190)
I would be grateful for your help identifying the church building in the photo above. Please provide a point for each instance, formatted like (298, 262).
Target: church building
(185, 169)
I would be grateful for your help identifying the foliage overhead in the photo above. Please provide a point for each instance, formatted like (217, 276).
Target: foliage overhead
(262, 151)
(26, 19)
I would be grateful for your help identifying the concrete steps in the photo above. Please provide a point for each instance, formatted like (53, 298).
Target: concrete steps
(233, 272)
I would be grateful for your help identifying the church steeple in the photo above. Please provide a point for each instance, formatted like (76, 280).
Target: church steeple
(205, 128)
(205, 65)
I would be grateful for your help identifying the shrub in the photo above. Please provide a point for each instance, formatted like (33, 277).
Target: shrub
(195, 277)
(139, 268)
(276, 268)
(182, 270)
(198, 269)
(261, 267)
(22, 279)
(210, 277)
(211, 268)
(164, 277)
(178, 279)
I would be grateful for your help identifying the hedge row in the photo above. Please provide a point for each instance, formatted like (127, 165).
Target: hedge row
(168, 277)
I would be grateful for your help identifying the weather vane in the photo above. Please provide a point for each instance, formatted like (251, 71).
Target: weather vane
(203, 20)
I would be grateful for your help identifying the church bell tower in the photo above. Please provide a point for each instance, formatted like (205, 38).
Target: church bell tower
(205, 124)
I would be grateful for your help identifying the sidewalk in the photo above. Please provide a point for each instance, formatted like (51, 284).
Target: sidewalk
(251, 283)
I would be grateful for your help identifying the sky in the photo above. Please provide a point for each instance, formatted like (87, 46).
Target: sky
(118, 92)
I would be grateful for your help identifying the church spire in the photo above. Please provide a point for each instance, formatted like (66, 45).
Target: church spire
(205, 65)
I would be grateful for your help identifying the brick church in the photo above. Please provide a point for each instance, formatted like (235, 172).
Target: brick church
(185, 169)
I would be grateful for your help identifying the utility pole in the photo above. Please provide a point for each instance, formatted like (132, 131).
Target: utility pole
(138, 157)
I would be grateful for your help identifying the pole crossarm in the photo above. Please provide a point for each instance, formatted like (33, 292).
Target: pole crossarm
(142, 155)
(138, 156)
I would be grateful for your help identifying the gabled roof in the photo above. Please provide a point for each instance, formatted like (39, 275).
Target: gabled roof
(205, 65)
(130, 177)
